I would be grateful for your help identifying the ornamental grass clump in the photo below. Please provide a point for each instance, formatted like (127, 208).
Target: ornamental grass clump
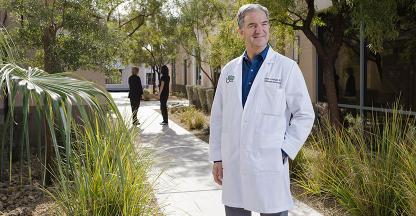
(107, 174)
(192, 118)
(369, 168)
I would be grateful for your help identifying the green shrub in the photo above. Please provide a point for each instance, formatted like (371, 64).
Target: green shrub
(146, 94)
(369, 170)
(193, 118)
(177, 109)
(202, 98)
(210, 98)
(189, 92)
(195, 97)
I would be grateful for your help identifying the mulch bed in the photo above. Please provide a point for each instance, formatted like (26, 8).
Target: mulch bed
(18, 198)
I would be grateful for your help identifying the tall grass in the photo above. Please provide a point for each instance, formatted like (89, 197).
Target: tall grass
(106, 175)
(369, 170)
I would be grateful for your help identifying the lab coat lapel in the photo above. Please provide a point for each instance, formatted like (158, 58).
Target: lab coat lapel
(238, 73)
(264, 69)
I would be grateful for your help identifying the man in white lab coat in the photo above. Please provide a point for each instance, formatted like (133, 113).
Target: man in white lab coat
(261, 117)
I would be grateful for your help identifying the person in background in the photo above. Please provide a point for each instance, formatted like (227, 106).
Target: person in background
(260, 118)
(135, 93)
(164, 93)
(350, 85)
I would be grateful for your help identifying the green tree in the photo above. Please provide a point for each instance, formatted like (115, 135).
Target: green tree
(154, 45)
(66, 35)
(341, 19)
(197, 22)
(226, 44)
(150, 40)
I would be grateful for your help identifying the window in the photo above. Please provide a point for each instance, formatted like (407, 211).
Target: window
(185, 71)
(173, 73)
(389, 75)
(197, 74)
(149, 78)
(296, 49)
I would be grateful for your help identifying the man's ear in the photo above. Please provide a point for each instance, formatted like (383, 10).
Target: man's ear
(240, 32)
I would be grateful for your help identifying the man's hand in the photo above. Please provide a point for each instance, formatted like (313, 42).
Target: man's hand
(217, 172)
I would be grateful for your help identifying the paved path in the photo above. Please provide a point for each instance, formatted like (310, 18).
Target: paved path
(185, 186)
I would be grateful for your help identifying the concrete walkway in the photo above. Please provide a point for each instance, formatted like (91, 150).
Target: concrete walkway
(185, 186)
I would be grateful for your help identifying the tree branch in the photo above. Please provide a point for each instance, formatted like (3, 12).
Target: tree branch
(338, 36)
(112, 10)
(63, 15)
(311, 13)
(141, 22)
(296, 14)
(134, 30)
(151, 54)
(314, 40)
(293, 25)
(206, 74)
(130, 21)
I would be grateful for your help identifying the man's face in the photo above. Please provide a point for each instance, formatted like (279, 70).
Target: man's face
(255, 30)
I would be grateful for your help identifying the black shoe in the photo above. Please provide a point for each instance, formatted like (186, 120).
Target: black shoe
(136, 123)
(163, 123)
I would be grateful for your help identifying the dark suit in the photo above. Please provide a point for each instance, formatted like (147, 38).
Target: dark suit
(135, 94)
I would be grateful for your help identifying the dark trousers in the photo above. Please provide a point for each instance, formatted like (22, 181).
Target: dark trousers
(134, 103)
(164, 108)
(232, 211)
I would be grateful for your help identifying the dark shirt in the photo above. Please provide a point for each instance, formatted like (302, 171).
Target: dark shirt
(135, 87)
(165, 91)
(250, 70)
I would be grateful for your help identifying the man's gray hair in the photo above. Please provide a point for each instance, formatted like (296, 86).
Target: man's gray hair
(248, 8)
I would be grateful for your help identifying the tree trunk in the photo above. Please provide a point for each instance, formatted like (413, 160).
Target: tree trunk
(330, 90)
(3, 18)
(154, 68)
(50, 60)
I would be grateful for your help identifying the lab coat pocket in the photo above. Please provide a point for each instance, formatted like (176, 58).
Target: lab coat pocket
(273, 101)
(225, 148)
(269, 160)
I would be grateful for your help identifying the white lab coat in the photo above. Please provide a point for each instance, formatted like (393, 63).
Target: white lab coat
(249, 141)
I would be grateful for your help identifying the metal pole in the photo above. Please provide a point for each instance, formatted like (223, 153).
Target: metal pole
(362, 70)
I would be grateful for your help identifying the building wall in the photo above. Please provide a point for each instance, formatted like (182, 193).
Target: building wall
(307, 63)
(126, 73)
(182, 61)
(204, 79)
(92, 76)
(307, 60)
